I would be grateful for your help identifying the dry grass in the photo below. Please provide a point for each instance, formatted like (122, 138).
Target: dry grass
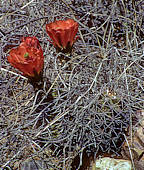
(95, 94)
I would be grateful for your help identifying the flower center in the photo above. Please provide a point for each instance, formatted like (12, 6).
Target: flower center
(26, 55)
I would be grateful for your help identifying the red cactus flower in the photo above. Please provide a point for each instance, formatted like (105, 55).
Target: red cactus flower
(62, 33)
(28, 57)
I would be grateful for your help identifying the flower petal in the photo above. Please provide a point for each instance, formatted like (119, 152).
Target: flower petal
(31, 64)
(62, 33)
